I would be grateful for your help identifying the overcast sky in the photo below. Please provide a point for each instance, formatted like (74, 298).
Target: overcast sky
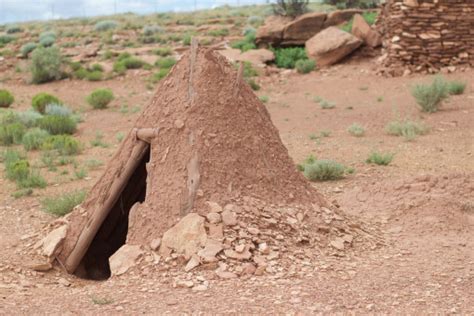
(28, 10)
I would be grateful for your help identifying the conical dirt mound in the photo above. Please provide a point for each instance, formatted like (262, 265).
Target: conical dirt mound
(217, 152)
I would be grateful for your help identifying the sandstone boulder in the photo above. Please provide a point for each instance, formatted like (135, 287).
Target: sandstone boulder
(53, 241)
(303, 28)
(340, 16)
(271, 32)
(186, 237)
(258, 57)
(362, 30)
(331, 45)
(124, 258)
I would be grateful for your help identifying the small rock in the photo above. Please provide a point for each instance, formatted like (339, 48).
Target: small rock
(53, 240)
(186, 237)
(214, 207)
(184, 283)
(248, 268)
(213, 218)
(155, 244)
(41, 267)
(216, 231)
(338, 243)
(245, 255)
(229, 218)
(240, 248)
(200, 288)
(253, 230)
(179, 124)
(124, 259)
(211, 249)
(263, 248)
(192, 263)
(64, 282)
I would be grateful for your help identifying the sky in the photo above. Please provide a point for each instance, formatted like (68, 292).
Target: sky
(31, 10)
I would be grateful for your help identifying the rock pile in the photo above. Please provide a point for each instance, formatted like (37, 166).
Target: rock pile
(284, 31)
(427, 35)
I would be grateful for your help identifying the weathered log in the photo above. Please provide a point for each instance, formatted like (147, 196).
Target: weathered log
(100, 214)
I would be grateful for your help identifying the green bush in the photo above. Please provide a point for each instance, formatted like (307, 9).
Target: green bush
(406, 128)
(47, 34)
(100, 98)
(57, 109)
(6, 98)
(122, 64)
(291, 8)
(13, 29)
(64, 144)
(166, 62)
(57, 125)
(63, 204)
(18, 169)
(11, 133)
(106, 25)
(28, 118)
(47, 41)
(27, 48)
(456, 87)
(255, 20)
(5, 39)
(247, 43)
(219, 33)
(380, 158)
(304, 66)
(345, 4)
(429, 97)
(160, 74)
(94, 75)
(34, 139)
(356, 130)
(163, 51)
(323, 170)
(42, 99)
(149, 30)
(46, 64)
(287, 57)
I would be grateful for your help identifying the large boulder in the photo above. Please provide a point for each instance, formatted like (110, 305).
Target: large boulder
(362, 30)
(303, 28)
(186, 237)
(341, 16)
(331, 45)
(271, 32)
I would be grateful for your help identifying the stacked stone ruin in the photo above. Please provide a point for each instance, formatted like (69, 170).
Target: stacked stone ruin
(427, 35)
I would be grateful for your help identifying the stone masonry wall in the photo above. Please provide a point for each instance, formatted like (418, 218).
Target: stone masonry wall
(427, 35)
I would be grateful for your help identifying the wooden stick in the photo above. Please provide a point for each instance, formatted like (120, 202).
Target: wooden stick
(238, 80)
(97, 219)
(192, 62)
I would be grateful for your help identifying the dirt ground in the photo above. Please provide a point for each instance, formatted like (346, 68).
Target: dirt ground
(423, 203)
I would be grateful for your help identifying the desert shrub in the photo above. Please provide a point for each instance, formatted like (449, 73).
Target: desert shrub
(57, 109)
(11, 29)
(255, 20)
(160, 74)
(429, 97)
(94, 75)
(105, 25)
(126, 61)
(219, 32)
(253, 84)
(166, 62)
(21, 193)
(325, 104)
(34, 139)
(247, 43)
(6, 98)
(323, 170)
(308, 161)
(304, 66)
(80, 73)
(149, 30)
(287, 57)
(290, 7)
(264, 98)
(356, 130)
(57, 125)
(28, 118)
(27, 48)
(456, 87)
(5, 39)
(345, 4)
(406, 128)
(47, 41)
(41, 100)
(64, 144)
(18, 169)
(46, 64)
(11, 133)
(100, 98)
(380, 159)
(163, 51)
(47, 34)
(63, 204)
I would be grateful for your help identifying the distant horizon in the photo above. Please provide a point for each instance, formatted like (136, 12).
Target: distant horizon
(22, 11)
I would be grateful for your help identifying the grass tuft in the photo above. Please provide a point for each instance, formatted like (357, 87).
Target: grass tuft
(63, 204)
(429, 97)
(380, 159)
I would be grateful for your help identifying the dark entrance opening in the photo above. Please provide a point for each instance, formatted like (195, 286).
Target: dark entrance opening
(113, 232)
